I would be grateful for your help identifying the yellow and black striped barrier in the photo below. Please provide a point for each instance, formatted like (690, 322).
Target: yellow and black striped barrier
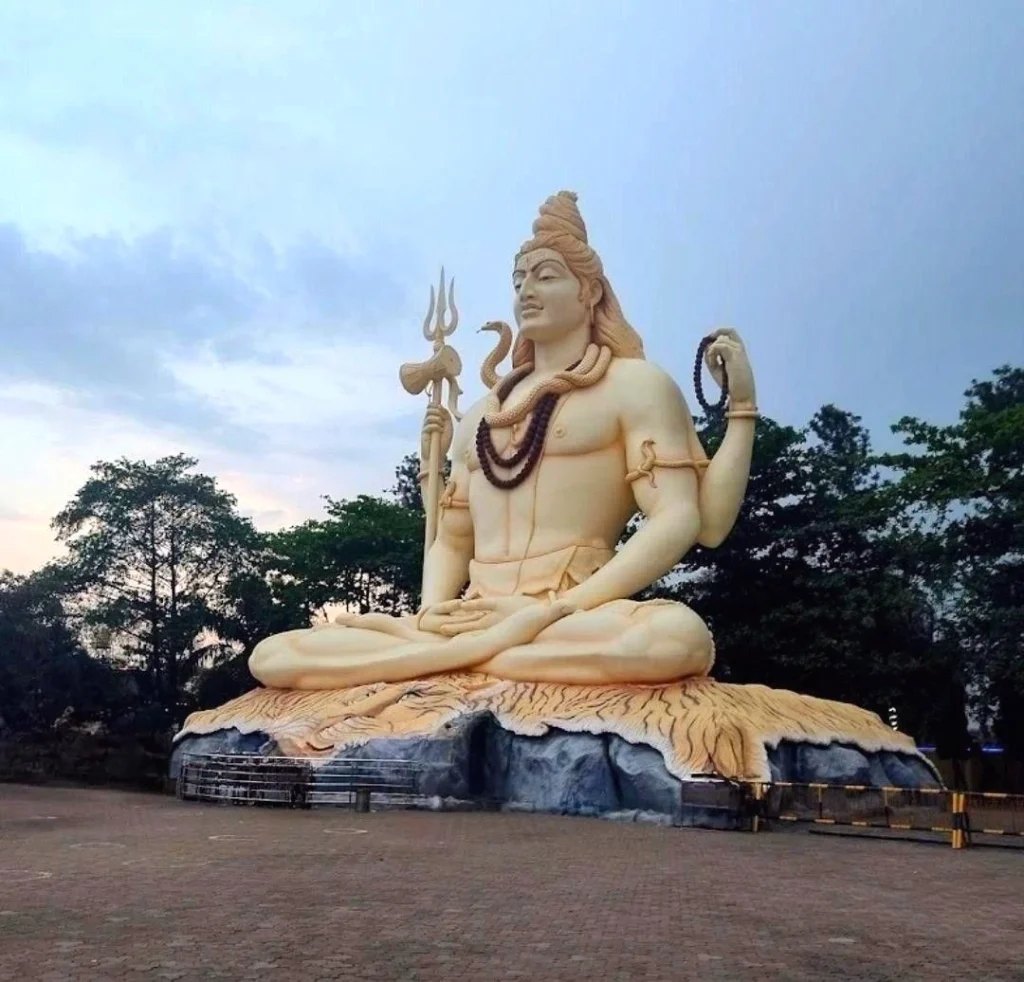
(958, 814)
(992, 813)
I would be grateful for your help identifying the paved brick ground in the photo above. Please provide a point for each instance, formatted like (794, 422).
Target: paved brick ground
(109, 885)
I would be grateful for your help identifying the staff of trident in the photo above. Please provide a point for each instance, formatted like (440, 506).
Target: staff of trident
(444, 366)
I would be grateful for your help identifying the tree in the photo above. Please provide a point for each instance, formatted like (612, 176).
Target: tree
(151, 549)
(257, 604)
(367, 555)
(407, 489)
(961, 488)
(807, 593)
(45, 673)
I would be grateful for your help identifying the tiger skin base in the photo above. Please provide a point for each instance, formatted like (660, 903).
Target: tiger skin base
(699, 726)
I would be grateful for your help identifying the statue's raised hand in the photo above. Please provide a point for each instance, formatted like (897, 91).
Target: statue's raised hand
(436, 420)
(728, 349)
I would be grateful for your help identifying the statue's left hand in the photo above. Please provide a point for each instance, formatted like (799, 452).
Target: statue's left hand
(379, 623)
(480, 614)
(728, 348)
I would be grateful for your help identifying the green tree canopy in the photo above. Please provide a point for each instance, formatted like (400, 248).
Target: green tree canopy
(367, 555)
(45, 673)
(961, 488)
(151, 548)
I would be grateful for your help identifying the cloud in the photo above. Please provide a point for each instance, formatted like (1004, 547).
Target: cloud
(53, 440)
(339, 384)
(254, 176)
(48, 443)
(272, 365)
(105, 316)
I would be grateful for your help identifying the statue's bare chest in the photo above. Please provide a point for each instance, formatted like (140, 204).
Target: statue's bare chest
(582, 423)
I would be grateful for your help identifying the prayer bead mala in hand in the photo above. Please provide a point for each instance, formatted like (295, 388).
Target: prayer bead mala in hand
(698, 382)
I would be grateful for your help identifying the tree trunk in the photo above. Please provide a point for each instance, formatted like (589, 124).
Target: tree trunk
(172, 654)
(154, 609)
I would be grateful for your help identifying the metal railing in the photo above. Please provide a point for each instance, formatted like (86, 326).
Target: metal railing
(365, 783)
(297, 782)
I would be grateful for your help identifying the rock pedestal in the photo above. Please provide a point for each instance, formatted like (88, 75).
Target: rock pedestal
(568, 749)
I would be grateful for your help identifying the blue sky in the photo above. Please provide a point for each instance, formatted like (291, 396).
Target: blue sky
(219, 221)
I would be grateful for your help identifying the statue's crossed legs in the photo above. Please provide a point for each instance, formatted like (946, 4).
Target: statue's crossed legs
(623, 641)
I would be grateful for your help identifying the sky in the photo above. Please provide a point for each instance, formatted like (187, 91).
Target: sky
(219, 221)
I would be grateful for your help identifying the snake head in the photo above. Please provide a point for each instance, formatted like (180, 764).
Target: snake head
(495, 326)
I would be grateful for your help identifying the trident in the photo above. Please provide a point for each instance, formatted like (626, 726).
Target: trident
(444, 366)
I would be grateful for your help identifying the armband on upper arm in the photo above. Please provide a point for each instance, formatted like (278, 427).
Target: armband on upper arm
(448, 499)
(651, 461)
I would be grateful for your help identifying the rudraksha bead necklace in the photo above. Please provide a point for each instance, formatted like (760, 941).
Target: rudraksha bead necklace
(533, 442)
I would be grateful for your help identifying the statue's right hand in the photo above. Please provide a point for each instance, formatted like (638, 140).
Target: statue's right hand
(436, 420)
(433, 617)
(485, 612)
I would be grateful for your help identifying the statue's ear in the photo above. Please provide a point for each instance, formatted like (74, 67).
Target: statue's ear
(596, 292)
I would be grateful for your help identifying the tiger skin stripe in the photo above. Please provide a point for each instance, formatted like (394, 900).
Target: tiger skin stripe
(699, 726)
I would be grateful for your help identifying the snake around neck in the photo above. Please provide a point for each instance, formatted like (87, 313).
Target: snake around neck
(541, 400)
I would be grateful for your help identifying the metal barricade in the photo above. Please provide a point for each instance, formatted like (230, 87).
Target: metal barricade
(714, 803)
(244, 779)
(296, 782)
(709, 802)
(355, 782)
(989, 813)
(861, 806)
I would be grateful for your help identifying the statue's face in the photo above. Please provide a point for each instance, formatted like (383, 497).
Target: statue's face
(549, 301)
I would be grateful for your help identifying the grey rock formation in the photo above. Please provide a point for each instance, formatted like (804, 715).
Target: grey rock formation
(475, 760)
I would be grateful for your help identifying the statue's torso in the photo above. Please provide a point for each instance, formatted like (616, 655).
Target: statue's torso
(577, 494)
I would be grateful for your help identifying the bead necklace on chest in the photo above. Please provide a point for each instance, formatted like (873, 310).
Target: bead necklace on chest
(541, 400)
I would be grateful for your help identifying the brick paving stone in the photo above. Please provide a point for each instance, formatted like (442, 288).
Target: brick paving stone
(108, 885)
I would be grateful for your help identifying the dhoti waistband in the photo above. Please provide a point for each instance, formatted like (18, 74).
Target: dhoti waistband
(551, 574)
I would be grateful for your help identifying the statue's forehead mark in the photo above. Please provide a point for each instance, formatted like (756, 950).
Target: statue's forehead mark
(528, 262)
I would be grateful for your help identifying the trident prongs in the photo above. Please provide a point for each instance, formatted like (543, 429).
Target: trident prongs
(428, 331)
(430, 376)
(453, 321)
(442, 327)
